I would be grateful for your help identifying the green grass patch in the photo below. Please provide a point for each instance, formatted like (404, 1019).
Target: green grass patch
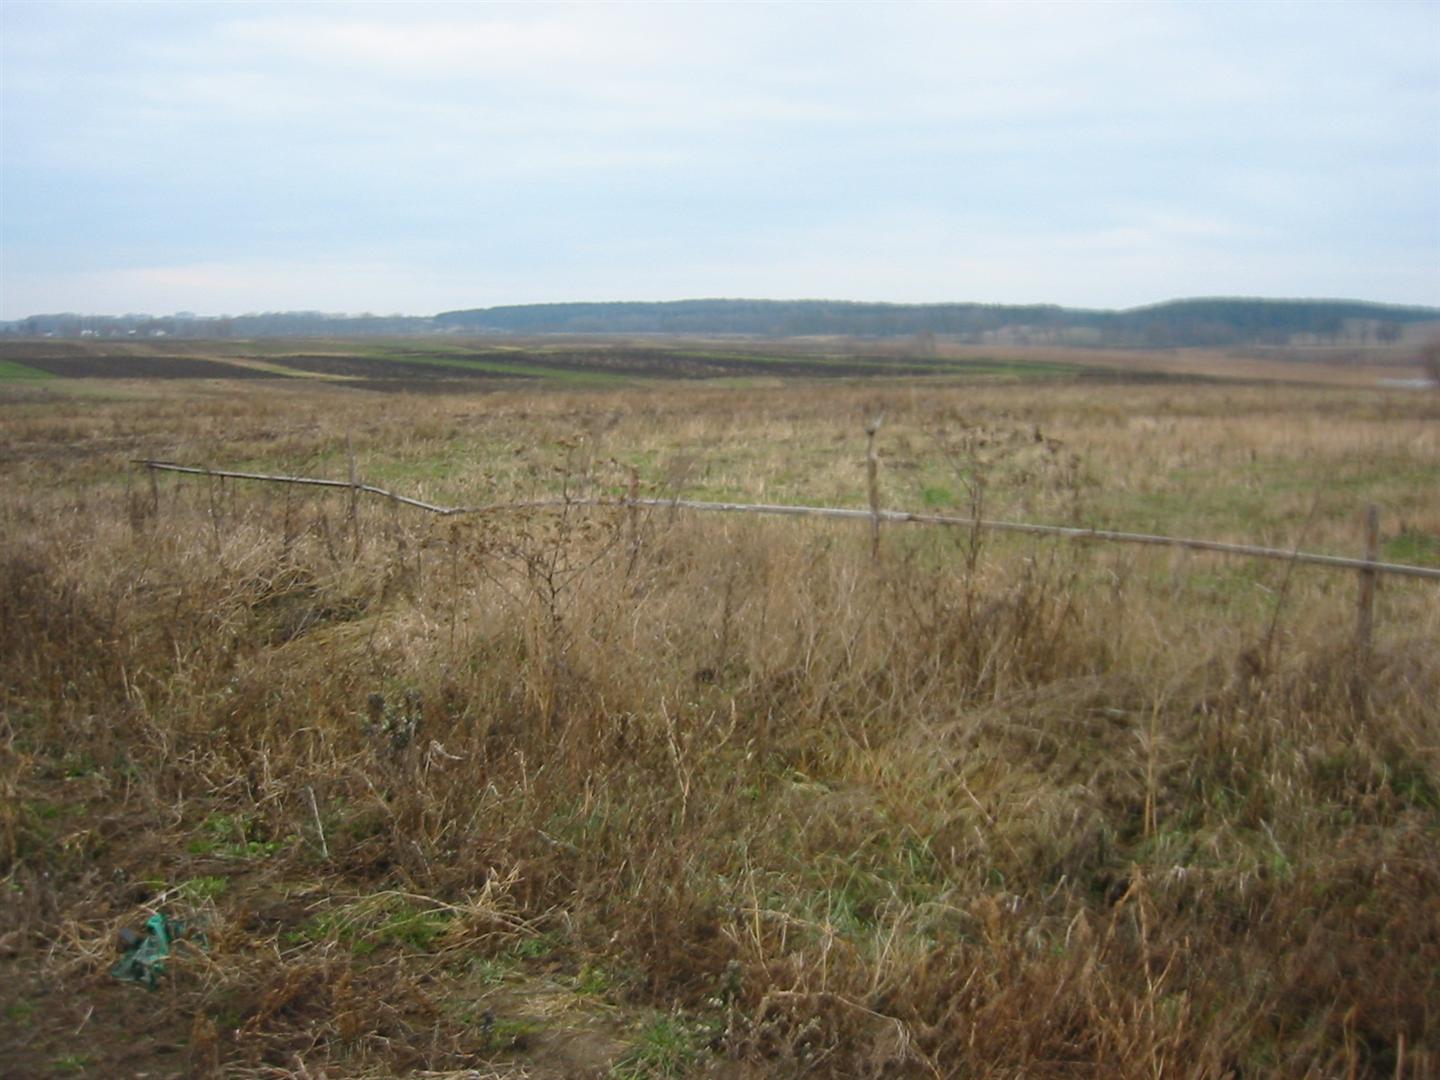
(539, 947)
(200, 889)
(936, 496)
(17, 1012)
(369, 924)
(415, 929)
(668, 1047)
(10, 371)
(594, 981)
(235, 837)
(499, 1035)
(1413, 547)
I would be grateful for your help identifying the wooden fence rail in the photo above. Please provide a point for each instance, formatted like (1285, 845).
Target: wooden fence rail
(1367, 566)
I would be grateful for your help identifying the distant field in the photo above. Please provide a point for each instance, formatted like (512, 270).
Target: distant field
(435, 364)
(431, 365)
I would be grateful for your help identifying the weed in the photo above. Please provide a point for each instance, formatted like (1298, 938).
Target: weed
(593, 980)
(493, 972)
(667, 1047)
(418, 930)
(200, 889)
(508, 1035)
(17, 1012)
(538, 947)
(234, 837)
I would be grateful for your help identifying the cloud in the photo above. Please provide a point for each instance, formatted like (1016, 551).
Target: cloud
(437, 44)
(515, 149)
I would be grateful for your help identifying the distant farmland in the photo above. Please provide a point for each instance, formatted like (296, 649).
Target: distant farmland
(433, 365)
(420, 362)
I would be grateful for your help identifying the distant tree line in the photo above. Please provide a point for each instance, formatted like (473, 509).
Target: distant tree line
(1201, 322)
(1177, 323)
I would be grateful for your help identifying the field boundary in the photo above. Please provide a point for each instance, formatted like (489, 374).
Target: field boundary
(874, 516)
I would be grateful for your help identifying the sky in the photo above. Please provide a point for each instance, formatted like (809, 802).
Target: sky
(237, 157)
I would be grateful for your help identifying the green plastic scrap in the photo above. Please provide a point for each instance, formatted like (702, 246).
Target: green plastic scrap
(145, 954)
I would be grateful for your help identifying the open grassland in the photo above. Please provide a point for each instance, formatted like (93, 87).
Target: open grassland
(592, 792)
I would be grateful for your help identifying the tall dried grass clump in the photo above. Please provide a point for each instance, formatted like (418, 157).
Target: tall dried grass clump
(1020, 809)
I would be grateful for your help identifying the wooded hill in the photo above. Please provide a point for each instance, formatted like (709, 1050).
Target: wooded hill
(1200, 322)
(1176, 323)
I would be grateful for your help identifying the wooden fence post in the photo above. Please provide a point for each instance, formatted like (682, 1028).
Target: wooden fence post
(352, 515)
(872, 471)
(632, 513)
(354, 490)
(1365, 613)
(1365, 608)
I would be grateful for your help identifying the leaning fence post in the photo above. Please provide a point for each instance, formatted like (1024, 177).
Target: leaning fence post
(872, 471)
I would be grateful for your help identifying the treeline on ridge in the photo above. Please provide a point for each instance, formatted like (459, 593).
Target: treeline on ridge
(1195, 322)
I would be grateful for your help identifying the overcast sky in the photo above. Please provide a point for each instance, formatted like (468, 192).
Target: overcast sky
(223, 158)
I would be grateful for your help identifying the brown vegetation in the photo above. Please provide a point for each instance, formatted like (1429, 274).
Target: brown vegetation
(600, 793)
(1430, 361)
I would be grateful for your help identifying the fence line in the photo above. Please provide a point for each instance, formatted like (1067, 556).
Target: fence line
(901, 517)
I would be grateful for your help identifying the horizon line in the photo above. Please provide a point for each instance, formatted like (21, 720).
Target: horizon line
(186, 314)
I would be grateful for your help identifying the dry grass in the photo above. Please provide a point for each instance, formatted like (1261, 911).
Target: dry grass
(582, 793)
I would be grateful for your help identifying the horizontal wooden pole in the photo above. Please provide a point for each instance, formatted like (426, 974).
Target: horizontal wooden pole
(309, 481)
(900, 517)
